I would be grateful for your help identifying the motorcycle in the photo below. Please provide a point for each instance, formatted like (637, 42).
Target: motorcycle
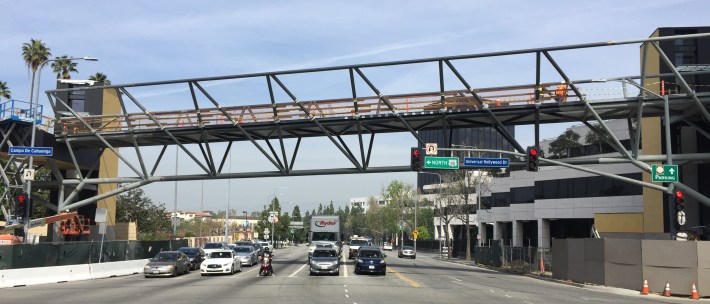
(266, 269)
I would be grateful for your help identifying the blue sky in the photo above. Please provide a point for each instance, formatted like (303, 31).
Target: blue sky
(139, 41)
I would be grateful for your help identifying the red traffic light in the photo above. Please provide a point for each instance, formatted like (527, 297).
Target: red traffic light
(679, 194)
(533, 151)
(416, 152)
(21, 198)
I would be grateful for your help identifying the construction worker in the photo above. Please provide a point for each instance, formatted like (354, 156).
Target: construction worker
(561, 92)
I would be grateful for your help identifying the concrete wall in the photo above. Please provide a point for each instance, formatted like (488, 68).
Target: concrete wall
(626, 263)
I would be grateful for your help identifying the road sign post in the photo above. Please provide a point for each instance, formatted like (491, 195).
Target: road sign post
(31, 151)
(664, 173)
(446, 163)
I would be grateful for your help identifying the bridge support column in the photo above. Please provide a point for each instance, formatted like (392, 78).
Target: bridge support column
(518, 233)
(543, 233)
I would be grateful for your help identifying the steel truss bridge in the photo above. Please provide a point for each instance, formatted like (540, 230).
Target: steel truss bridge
(366, 113)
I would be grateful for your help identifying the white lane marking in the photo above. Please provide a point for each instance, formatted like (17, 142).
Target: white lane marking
(345, 267)
(508, 296)
(491, 290)
(299, 269)
(528, 302)
(585, 299)
(347, 296)
(455, 279)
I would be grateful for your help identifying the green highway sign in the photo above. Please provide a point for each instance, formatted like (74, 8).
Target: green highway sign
(664, 173)
(433, 162)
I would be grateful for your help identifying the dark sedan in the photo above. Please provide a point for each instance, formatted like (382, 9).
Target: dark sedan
(325, 261)
(195, 256)
(370, 260)
(167, 264)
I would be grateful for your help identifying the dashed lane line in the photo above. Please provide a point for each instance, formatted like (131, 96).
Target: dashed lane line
(299, 269)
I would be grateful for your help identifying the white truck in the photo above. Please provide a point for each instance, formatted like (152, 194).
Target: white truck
(355, 243)
(325, 230)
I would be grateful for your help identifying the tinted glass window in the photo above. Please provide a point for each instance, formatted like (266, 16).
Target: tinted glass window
(324, 253)
(369, 254)
(242, 249)
(166, 257)
(213, 245)
(220, 255)
(191, 251)
(358, 242)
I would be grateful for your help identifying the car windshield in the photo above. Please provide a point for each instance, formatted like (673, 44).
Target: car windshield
(358, 242)
(324, 245)
(264, 243)
(220, 255)
(213, 245)
(166, 257)
(242, 249)
(188, 251)
(324, 254)
(243, 244)
(407, 248)
(370, 254)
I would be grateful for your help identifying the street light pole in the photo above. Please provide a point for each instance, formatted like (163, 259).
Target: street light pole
(273, 229)
(35, 106)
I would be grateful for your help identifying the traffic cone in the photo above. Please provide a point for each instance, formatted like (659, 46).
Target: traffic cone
(694, 293)
(644, 290)
(667, 292)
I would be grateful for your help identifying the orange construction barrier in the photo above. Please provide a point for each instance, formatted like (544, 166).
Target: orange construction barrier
(694, 293)
(667, 292)
(644, 290)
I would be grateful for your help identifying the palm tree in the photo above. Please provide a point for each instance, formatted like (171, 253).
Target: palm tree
(4, 90)
(63, 66)
(100, 77)
(34, 53)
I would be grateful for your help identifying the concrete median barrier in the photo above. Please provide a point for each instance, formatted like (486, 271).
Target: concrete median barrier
(57, 274)
(44, 275)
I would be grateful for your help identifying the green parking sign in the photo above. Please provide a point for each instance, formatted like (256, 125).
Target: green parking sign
(664, 173)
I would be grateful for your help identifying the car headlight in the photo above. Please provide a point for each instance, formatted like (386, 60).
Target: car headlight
(169, 267)
(382, 262)
(359, 260)
(146, 267)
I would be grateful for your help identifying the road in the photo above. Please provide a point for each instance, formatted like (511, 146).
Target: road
(424, 280)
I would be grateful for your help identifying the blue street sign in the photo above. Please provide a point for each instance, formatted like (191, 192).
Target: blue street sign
(32, 151)
(486, 162)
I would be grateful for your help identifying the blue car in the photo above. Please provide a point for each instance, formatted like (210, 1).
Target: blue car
(370, 259)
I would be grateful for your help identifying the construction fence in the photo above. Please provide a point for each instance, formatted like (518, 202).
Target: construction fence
(75, 253)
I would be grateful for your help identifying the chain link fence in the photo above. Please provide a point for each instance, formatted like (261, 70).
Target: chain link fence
(74, 253)
(525, 260)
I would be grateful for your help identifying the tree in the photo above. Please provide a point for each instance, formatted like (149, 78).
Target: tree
(596, 136)
(4, 90)
(63, 67)
(34, 53)
(153, 224)
(560, 146)
(423, 233)
(100, 77)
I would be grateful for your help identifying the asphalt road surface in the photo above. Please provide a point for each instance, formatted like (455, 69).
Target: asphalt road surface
(423, 280)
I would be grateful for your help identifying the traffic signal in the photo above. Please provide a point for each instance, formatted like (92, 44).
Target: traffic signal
(679, 201)
(532, 158)
(21, 205)
(417, 159)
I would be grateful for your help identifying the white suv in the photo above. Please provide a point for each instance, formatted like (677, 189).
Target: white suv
(267, 245)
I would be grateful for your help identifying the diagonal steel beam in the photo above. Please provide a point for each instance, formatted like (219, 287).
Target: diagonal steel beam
(501, 129)
(162, 127)
(97, 135)
(295, 152)
(588, 106)
(679, 78)
(224, 158)
(316, 122)
(131, 130)
(389, 105)
(116, 191)
(241, 129)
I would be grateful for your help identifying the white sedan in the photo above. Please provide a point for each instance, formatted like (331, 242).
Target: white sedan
(221, 261)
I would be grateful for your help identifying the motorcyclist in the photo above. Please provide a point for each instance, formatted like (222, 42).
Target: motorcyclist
(267, 257)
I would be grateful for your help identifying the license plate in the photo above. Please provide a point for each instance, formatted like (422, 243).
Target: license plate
(372, 267)
(324, 267)
(156, 272)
